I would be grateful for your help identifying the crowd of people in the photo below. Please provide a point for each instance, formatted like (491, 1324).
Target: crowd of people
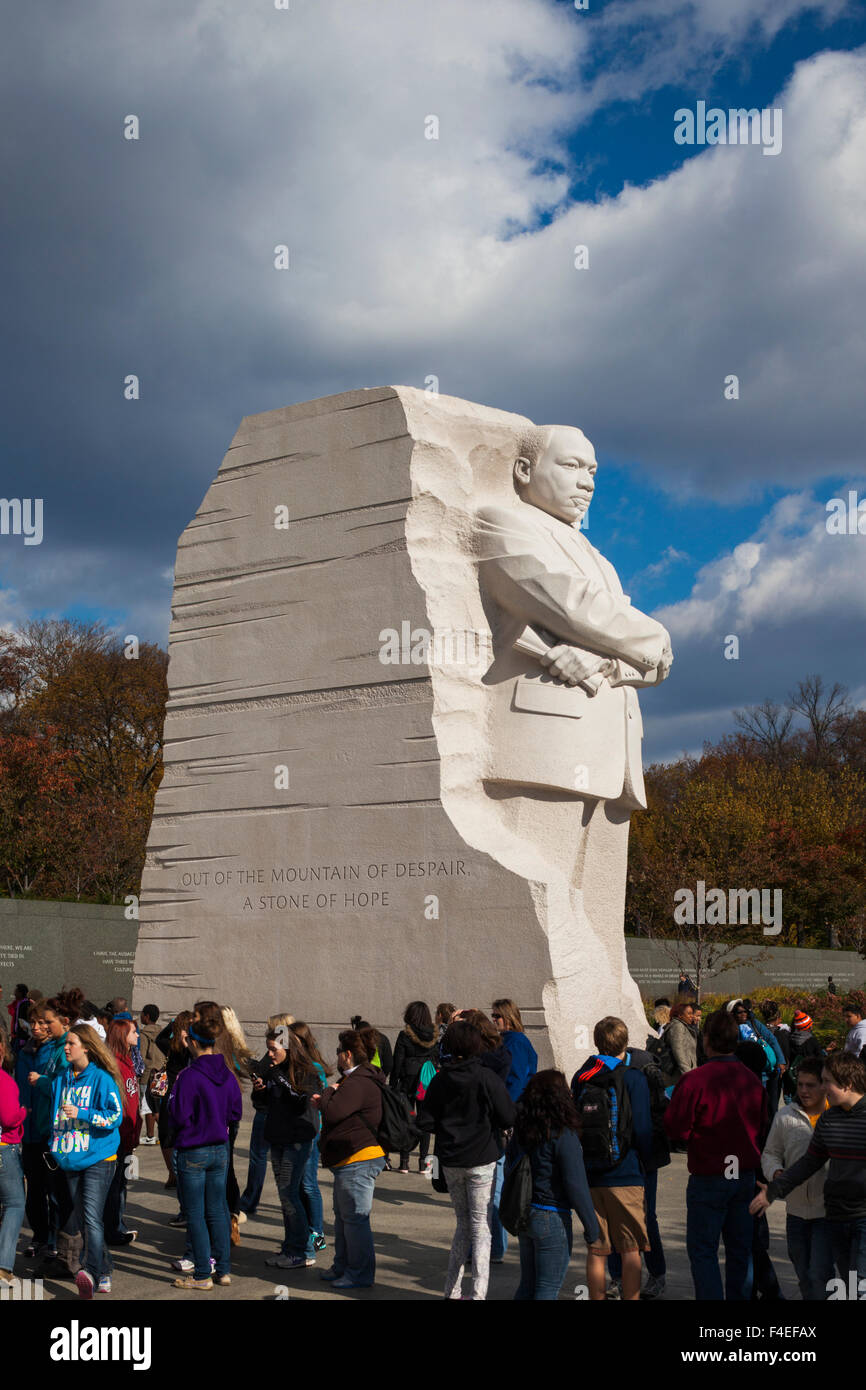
(761, 1110)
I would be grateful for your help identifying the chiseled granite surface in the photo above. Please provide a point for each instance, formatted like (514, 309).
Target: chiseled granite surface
(322, 840)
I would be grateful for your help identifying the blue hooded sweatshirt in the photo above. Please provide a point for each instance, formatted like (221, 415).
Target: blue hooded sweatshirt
(524, 1062)
(205, 1100)
(37, 1126)
(95, 1132)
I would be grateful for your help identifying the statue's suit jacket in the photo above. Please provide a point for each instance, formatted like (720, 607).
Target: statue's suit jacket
(535, 570)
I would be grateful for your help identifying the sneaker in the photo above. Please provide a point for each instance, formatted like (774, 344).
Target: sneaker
(179, 1220)
(653, 1287)
(104, 1285)
(290, 1262)
(329, 1275)
(190, 1282)
(402, 1170)
(48, 1252)
(344, 1282)
(31, 1250)
(183, 1266)
(222, 1279)
(319, 1242)
(145, 1140)
(127, 1238)
(84, 1284)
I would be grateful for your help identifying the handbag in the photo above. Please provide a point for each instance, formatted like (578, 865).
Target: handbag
(516, 1197)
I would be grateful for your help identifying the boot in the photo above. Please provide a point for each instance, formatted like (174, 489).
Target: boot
(69, 1252)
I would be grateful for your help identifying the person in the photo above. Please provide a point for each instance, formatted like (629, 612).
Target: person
(257, 1167)
(685, 986)
(382, 1056)
(661, 1016)
(19, 1014)
(680, 1041)
(467, 1107)
(122, 1035)
(239, 1060)
(311, 1195)
(697, 1028)
(807, 1230)
(720, 1111)
(803, 1044)
(12, 1195)
(291, 1127)
(415, 1046)
(839, 1138)
(545, 1129)
(660, 1157)
(765, 1281)
(443, 1016)
(41, 1209)
(173, 1041)
(831, 985)
(64, 1258)
(524, 1063)
(493, 1053)
(154, 1061)
(855, 1041)
(205, 1102)
(351, 1115)
(752, 1030)
(613, 1102)
(782, 1034)
(87, 1103)
(81, 1010)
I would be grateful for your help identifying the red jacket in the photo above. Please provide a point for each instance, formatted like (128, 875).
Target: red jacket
(720, 1111)
(130, 1125)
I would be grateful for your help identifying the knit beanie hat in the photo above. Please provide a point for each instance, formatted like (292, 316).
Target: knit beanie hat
(802, 1021)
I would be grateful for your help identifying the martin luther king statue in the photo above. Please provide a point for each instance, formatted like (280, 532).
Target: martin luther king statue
(562, 761)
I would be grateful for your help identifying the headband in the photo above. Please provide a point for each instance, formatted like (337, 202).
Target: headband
(191, 1033)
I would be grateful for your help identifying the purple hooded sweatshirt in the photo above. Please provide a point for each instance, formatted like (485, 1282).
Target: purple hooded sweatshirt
(205, 1100)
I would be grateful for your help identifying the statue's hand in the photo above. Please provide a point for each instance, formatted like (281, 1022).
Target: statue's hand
(571, 665)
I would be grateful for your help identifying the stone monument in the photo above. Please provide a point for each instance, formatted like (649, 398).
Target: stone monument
(402, 743)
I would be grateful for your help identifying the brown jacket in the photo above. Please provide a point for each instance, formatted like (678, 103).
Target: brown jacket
(152, 1056)
(351, 1115)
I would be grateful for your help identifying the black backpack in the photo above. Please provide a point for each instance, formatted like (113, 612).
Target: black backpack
(397, 1132)
(516, 1198)
(604, 1110)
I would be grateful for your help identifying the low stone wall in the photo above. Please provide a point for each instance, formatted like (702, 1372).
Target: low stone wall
(656, 972)
(48, 944)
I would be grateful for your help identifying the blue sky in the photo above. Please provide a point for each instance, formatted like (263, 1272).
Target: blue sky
(453, 257)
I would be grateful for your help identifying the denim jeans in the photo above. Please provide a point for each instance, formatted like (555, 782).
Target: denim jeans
(849, 1246)
(201, 1180)
(471, 1193)
(718, 1206)
(354, 1253)
(12, 1200)
(115, 1205)
(88, 1188)
(810, 1250)
(545, 1250)
(41, 1206)
(654, 1258)
(258, 1165)
(311, 1197)
(498, 1233)
(289, 1164)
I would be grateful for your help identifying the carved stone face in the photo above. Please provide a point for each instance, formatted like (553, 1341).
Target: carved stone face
(562, 480)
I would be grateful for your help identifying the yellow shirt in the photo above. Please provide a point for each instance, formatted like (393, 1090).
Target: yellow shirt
(372, 1151)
